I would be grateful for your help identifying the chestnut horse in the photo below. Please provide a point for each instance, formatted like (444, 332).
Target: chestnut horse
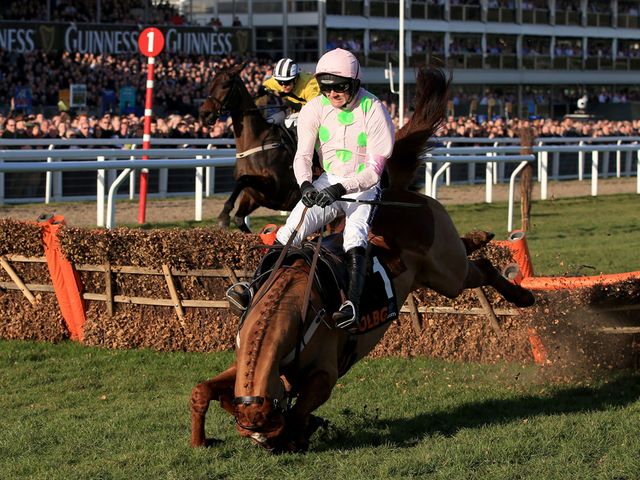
(277, 360)
(264, 159)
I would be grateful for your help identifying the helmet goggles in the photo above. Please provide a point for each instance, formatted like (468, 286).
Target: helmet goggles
(328, 82)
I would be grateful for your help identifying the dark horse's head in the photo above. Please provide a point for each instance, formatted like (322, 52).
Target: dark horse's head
(225, 93)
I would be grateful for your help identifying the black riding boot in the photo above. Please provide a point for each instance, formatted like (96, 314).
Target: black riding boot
(240, 295)
(348, 316)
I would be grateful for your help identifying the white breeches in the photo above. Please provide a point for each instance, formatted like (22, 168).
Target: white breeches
(358, 216)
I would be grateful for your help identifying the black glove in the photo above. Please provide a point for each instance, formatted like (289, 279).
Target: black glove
(328, 195)
(262, 91)
(309, 194)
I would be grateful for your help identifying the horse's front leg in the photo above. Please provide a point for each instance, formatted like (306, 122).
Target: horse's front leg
(224, 218)
(218, 388)
(300, 423)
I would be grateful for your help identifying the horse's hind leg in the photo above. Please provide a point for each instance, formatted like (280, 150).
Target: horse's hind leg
(225, 215)
(482, 272)
(218, 388)
(246, 206)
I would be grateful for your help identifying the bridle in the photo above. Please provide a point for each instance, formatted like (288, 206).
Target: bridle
(223, 105)
(277, 406)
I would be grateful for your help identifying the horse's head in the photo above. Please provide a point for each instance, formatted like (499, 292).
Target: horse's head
(261, 418)
(268, 334)
(224, 94)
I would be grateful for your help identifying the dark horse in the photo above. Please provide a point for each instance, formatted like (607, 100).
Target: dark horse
(264, 159)
(278, 360)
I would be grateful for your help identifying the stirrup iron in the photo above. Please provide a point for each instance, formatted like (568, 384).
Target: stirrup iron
(239, 301)
(350, 323)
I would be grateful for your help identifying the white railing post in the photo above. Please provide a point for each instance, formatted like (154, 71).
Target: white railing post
(540, 154)
(434, 182)
(100, 195)
(447, 175)
(618, 160)
(48, 181)
(543, 172)
(594, 173)
(581, 162)
(199, 188)
(428, 178)
(209, 176)
(488, 194)
(512, 181)
(132, 181)
(111, 202)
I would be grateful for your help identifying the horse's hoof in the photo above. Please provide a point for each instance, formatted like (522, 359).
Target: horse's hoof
(223, 223)
(208, 442)
(526, 299)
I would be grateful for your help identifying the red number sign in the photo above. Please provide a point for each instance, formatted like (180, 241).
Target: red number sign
(151, 42)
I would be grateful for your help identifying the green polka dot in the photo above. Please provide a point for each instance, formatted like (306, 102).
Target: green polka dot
(323, 133)
(325, 101)
(361, 167)
(326, 164)
(344, 155)
(366, 103)
(346, 118)
(362, 139)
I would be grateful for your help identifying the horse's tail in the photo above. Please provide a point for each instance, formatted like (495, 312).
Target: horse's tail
(432, 93)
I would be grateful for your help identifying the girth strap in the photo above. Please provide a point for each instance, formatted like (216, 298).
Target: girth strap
(261, 148)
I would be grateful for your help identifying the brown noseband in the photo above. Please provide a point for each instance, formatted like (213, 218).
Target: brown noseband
(248, 400)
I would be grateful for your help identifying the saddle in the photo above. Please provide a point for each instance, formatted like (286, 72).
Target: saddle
(378, 303)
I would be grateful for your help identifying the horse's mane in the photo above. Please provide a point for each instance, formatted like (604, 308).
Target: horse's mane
(432, 93)
(259, 320)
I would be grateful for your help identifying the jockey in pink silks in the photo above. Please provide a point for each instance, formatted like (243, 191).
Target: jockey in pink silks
(353, 134)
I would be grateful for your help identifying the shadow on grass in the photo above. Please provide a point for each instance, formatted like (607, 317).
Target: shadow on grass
(366, 429)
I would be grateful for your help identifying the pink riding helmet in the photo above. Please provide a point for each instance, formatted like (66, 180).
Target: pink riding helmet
(339, 62)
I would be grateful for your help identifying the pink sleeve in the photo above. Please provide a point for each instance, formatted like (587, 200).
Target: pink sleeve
(308, 121)
(380, 139)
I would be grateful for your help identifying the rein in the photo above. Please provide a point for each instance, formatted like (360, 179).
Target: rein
(387, 203)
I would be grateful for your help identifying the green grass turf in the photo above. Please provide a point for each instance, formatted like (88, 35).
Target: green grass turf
(76, 412)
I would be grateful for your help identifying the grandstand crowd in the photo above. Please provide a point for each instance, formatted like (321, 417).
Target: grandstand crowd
(179, 82)
(82, 125)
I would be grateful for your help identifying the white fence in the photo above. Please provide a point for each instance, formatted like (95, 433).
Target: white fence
(497, 156)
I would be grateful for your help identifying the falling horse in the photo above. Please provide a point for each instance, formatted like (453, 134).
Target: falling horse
(264, 159)
(288, 348)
